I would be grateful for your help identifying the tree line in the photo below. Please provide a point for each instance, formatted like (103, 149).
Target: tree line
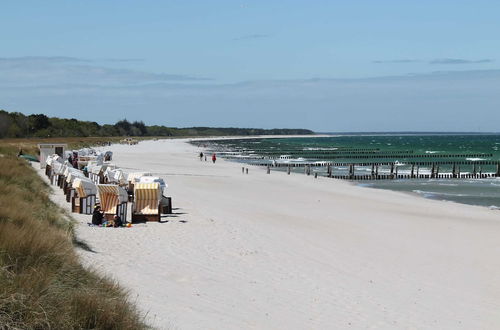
(18, 125)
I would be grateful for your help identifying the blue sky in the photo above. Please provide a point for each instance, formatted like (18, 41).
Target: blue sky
(323, 65)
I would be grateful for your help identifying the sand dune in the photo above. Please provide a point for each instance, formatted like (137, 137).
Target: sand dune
(274, 251)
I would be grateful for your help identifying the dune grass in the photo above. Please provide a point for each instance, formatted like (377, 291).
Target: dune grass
(30, 145)
(42, 283)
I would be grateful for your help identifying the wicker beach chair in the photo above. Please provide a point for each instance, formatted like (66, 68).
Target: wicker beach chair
(113, 199)
(146, 205)
(56, 172)
(131, 179)
(71, 175)
(116, 176)
(85, 198)
(96, 174)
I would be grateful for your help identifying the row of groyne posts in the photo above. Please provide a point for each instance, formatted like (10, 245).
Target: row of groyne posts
(414, 173)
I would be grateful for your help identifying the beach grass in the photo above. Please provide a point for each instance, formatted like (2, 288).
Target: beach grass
(30, 145)
(42, 283)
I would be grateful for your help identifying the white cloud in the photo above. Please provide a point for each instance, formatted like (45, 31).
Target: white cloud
(63, 71)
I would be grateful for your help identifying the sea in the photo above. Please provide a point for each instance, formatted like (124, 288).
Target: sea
(471, 151)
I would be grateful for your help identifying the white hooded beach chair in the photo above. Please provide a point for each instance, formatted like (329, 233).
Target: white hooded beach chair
(58, 173)
(95, 174)
(109, 175)
(68, 170)
(113, 199)
(48, 164)
(69, 190)
(85, 197)
(116, 175)
(120, 177)
(98, 173)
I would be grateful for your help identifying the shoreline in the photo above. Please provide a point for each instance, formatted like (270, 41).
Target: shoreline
(360, 183)
(277, 251)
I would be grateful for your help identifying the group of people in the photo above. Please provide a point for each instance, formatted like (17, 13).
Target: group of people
(214, 157)
(98, 217)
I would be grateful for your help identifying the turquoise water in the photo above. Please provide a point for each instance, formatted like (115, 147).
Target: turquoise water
(403, 149)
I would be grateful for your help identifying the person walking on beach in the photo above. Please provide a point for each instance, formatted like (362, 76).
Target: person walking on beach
(201, 156)
(214, 158)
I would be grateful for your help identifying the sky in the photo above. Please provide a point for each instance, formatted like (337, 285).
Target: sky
(329, 66)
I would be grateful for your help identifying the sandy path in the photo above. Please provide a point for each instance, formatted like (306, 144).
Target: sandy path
(274, 251)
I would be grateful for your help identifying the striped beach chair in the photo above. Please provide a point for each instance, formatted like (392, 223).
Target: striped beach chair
(131, 179)
(146, 206)
(85, 198)
(113, 199)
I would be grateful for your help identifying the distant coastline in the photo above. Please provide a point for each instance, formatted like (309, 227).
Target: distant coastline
(18, 125)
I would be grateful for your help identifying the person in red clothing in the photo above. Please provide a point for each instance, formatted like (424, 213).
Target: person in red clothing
(214, 158)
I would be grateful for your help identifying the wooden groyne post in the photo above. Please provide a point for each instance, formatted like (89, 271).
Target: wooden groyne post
(413, 169)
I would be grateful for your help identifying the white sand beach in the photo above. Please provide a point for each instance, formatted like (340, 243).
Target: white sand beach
(281, 251)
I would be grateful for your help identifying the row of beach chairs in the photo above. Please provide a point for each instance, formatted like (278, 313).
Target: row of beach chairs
(112, 189)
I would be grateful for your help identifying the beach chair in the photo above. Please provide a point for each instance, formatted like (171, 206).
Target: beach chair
(61, 178)
(113, 199)
(146, 205)
(104, 170)
(109, 176)
(116, 176)
(165, 202)
(71, 175)
(85, 199)
(48, 167)
(56, 171)
(131, 179)
(95, 174)
(49, 171)
(68, 173)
